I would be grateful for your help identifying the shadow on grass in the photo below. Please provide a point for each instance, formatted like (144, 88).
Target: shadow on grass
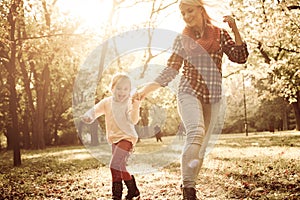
(262, 179)
(51, 167)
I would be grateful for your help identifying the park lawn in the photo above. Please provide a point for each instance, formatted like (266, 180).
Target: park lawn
(260, 166)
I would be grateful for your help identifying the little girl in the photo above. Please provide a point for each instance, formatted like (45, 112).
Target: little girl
(121, 114)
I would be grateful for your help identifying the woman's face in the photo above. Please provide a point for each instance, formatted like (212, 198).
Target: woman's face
(122, 89)
(192, 15)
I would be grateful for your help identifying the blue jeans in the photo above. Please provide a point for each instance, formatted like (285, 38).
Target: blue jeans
(199, 120)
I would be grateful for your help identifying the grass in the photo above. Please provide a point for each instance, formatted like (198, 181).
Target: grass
(260, 166)
(264, 139)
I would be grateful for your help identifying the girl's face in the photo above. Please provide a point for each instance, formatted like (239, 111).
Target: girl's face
(121, 90)
(192, 15)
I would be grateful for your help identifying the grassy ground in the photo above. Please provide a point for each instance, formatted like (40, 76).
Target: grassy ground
(260, 166)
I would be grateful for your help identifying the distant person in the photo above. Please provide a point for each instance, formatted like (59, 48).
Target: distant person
(158, 133)
(181, 130)
(121, 114)
(271, 124)
(271, 127)
(198, 52)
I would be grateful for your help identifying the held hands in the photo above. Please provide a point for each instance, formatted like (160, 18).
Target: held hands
(136, 102)
(139, 95)
(144, 90)
(136, 97)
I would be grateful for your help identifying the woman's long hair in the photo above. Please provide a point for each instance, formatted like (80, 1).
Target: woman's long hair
(214, 10)
(197, 3)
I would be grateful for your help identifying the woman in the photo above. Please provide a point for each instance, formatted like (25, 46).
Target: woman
(199, 51)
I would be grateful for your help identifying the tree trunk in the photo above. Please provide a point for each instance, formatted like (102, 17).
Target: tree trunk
(29, 101)
(38, 122)
(26, 138)
(13, 100)
(296, 106)
(8, 134)
(55, 134)
(39, 119)
(285, 119)
(26, 131)
(94, 133)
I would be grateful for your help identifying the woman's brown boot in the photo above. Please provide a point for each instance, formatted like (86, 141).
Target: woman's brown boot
(189, 194)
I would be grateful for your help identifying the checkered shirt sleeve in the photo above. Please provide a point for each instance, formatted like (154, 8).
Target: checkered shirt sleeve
(235, 53)
(173, 65)
(202, 74)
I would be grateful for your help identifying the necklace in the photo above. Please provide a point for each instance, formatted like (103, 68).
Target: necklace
(198, 34)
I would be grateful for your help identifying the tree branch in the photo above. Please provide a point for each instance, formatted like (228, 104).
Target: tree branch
(285, 49)
(232, 73)
(164, 7)
(47, 14)
(293, 7)
(44, 36)
(263, 53)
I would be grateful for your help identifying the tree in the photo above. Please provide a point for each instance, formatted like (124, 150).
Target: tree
(11, 67)
(49, 64)
(36, 48)
(4, 94)
(273, 29)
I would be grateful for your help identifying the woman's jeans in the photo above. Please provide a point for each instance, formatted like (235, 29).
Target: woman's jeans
(199, 120)
(120, 154)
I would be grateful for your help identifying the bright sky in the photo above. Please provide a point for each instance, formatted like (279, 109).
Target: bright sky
(95, 13)
(92, 12)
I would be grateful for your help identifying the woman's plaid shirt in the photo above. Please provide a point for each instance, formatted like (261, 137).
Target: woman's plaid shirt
(202, 72)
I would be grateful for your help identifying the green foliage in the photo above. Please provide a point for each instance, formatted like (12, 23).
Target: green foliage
(68, 138)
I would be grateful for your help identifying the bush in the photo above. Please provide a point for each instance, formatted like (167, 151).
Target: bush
(68, 138)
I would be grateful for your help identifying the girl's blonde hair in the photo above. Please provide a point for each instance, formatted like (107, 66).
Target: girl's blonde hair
(116, 78)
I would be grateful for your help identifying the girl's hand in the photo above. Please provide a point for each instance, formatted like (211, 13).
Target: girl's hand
(139, 95)
(136, 99)
(136, 96)
(136, 105)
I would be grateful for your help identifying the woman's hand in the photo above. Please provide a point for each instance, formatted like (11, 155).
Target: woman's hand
(231, 21)
(147, 88)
